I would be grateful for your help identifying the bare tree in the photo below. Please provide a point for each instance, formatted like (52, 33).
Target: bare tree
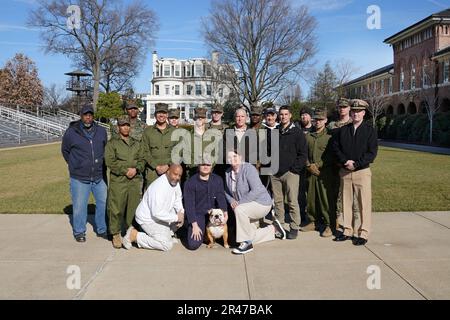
(269, 41)
(344, 70)
(106, 28)
(20, 83)
(54, 97)
(429, 95)
(291, 94)
(376, 102)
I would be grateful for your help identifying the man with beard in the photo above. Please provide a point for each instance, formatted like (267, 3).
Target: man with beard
(160, 212)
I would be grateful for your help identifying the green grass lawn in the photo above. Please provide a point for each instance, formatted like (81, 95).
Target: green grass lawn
(35, 180)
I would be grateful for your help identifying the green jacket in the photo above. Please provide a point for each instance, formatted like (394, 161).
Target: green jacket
(319, 149)
(221, 127)
(157, 146)
(121, 155)
(137, 129)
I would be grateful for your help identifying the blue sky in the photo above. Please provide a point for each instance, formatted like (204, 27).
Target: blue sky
(341, 33)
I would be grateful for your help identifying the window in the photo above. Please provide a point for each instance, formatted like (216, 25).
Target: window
(157, 71)
(382, 87)
(402, 79)
(424, 74)
(198, 90)
(177, 90)
(208, 89)
(220, 92)
(167, 89)
(198, 70)
(188, 70)
(156, 90)
(177, 70)
(390, 85)
(166, 71)
(446, 71)
(413, 76)
(188, 89)
(208, 71)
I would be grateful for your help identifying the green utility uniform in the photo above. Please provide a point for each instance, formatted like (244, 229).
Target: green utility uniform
(156, 148)
(320, 188)
(124, 194)
(137, 129)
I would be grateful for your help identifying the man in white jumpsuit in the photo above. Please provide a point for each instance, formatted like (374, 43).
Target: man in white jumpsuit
(160, 211)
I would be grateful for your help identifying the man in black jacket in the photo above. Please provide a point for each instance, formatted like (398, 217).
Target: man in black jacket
(83, 148)
(293, 153)
(356, 146)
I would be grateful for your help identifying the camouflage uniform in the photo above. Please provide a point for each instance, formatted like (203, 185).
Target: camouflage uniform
(137, 129)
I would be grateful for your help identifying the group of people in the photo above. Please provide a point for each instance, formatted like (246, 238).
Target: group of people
(321, 180)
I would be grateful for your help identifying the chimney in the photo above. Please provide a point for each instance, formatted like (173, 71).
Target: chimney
(215, 58)
(154, 56)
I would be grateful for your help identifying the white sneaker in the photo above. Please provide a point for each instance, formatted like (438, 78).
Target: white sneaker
(126, 241)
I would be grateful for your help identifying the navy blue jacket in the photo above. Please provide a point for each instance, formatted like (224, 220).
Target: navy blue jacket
(361, 147)
(196, 204)
(84, 153)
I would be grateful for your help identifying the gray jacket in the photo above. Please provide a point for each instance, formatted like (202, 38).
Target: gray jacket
(248, 186)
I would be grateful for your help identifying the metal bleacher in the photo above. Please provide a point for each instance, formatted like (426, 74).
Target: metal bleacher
(21, 126)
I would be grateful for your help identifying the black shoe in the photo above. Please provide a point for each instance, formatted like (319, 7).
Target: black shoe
(80, 238)
(342, 237)
(103, 235)
(359, 241)
(292, 234)
(280, 233)
(243, 248)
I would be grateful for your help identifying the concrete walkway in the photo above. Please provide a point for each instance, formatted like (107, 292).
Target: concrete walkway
(415, 147)
(410, 249)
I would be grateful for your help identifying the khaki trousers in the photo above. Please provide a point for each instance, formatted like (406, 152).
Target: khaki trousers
(286, 185)
(247, 215)
(357, 184)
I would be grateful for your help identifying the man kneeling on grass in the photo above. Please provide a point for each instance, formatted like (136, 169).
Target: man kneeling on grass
(160, 212)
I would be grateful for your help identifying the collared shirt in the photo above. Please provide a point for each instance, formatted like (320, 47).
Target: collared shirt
(240, 133)
(160, 203)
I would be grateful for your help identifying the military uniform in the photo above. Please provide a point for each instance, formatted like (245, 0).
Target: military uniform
(219, 168)
(123, 193)
(137, 127)
(156, 147)
(320, 205)
(174, 113)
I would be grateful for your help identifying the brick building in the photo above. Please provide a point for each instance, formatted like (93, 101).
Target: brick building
(420, 74)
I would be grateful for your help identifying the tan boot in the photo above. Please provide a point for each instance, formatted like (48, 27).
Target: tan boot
(309, 227)
(117, 241)
(327, 232)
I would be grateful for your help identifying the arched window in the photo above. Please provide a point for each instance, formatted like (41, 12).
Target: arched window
(402, 79)
(413, 76)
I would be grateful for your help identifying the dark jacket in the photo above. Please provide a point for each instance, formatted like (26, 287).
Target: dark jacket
(84, 153)
(361, 147)
(197, 204)
(293, 150)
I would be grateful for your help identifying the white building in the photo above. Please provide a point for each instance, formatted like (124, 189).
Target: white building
(185, 84)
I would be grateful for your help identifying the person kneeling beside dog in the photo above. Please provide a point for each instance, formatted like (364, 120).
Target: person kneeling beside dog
(160, 212)
(204, 197)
